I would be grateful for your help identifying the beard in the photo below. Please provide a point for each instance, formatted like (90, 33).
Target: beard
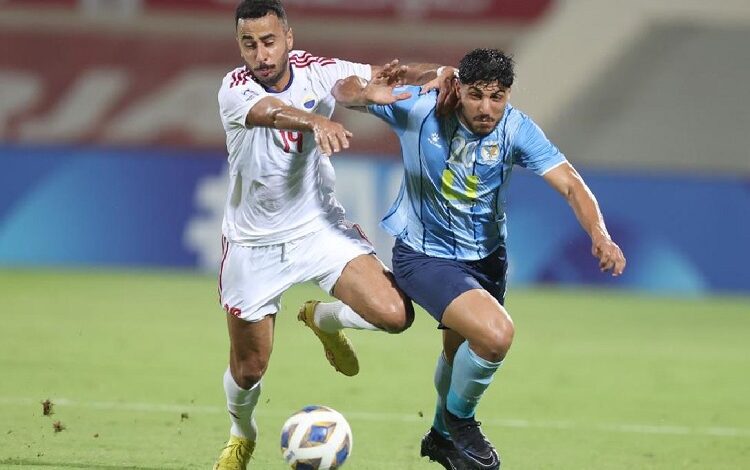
(273, 79)
(480, 125)
(485, 129)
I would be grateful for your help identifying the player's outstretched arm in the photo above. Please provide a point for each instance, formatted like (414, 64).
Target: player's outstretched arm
(430, 76)
(354, 92)
(565, 179)
(411, 74)
(330, 136)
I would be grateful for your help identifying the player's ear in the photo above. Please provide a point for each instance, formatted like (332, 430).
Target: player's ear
(290, 39)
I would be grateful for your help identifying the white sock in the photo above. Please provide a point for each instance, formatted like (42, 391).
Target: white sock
(241, 405)
(334, 316)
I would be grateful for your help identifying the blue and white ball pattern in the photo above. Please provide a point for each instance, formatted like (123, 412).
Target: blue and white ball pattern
(316, 438)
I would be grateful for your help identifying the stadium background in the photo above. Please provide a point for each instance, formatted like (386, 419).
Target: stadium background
(109, 129)
(113, 155)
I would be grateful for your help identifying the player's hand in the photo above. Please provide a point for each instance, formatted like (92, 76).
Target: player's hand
(330, 136)
(438, 83)
(376, 93)
(609, 254)
(379, 90)
(392, 74)
(447, 100)
(384, 95)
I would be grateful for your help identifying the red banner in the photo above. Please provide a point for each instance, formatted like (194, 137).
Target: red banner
(510, 10)
(36, 3)
(146, 90)
(32, 4)
(523, 11)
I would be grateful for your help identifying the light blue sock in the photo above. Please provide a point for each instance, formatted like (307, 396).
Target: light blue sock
(442, 383)
(471, 377)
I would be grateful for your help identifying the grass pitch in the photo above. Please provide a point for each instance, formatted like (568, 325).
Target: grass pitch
(595, 380)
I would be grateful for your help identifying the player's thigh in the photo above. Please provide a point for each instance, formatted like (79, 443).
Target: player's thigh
(430, 281)
(351, 272)
(370, 289)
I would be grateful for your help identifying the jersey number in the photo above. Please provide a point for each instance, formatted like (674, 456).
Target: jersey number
(453, 190)
(292, 137)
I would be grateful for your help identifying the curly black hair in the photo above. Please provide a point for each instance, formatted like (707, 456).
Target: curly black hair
(258, 9)
(486, 65)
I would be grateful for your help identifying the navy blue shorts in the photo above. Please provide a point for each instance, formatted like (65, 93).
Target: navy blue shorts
(435, 282)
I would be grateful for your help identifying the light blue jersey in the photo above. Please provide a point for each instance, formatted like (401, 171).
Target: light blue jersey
(452, 199)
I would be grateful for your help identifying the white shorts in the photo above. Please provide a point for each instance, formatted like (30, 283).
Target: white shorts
(253, 278)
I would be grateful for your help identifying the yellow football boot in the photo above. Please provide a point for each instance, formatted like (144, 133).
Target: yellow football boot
(236, 454)
(338, 348)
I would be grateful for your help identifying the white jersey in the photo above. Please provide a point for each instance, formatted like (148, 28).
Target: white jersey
(280, 186)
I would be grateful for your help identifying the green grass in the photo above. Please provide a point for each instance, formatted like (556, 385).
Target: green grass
(595, 379)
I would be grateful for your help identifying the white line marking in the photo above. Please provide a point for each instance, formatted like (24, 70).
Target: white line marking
(395, 417)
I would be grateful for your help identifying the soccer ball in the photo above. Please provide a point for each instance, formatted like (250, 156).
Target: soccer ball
(316, 438)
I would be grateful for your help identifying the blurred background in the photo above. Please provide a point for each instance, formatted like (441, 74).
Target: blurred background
(112, 183)
(113, 155)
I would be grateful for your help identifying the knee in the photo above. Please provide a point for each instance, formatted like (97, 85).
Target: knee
(495, 342)
(249, 372)
(396, 316)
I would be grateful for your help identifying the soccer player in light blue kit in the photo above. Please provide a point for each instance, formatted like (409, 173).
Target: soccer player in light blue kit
(449, 224)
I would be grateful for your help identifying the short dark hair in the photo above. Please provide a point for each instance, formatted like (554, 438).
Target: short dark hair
(258, 9)
(486, 65)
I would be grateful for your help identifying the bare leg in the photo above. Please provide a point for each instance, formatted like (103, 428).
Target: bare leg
(370, 290)
(369, 299)
(479, 317)
(250, 350)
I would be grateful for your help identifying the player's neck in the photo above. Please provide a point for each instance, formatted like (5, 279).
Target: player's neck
(283, 82)
(465, 125)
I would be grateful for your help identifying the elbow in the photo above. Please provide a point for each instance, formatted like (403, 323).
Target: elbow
(264, 113)
(342, 94)
(348, 91)
(337, 91)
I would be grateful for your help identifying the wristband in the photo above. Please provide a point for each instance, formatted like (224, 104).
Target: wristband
(442, 68)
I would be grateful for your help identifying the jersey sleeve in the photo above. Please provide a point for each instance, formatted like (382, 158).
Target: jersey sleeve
(532, 150)
(333, 70)
(397, 114)
(237, 98)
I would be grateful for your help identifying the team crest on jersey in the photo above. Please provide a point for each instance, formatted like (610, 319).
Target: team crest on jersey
(309, 102)
(490, 152)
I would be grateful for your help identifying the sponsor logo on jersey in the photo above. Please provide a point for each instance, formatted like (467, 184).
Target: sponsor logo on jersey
(435, 140)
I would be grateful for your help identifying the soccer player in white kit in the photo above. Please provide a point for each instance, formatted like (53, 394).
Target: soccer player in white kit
(282, 224)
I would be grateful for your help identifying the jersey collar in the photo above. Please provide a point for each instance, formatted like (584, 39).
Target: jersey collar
(270, 90)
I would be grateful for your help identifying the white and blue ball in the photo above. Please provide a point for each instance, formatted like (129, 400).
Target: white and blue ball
(316, 438)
